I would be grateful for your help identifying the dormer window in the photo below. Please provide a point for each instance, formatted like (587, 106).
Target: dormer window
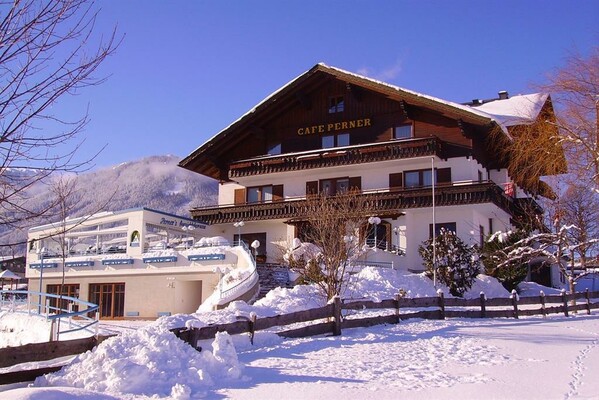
(336, 104)
(403, 132)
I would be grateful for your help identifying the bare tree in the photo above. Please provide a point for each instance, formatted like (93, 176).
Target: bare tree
(333, 227)
(549, 248)
(579, 207)
(565, 136)
(575, 91)
(48, 50)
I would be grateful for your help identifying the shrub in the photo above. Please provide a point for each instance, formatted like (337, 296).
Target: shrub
(456, 262)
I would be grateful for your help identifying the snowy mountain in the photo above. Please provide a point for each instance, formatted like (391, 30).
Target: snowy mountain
(155, 182)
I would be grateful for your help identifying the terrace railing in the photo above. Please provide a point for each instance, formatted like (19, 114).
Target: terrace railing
(63, 321)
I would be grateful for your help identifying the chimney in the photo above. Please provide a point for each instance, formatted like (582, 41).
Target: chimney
(503, 95)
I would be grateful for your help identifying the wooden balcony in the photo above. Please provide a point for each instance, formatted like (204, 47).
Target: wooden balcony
(384, 203)
(322, 158)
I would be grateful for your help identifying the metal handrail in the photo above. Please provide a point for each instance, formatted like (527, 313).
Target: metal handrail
(53, 313)
(254, 272)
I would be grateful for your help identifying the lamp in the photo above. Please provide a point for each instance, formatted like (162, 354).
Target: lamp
(374, 221)
(255, 244)
(238, 225)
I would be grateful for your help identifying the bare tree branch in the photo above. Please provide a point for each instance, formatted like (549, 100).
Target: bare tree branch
(48, 50)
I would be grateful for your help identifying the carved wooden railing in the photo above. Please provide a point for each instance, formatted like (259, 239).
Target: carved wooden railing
(322, 158)
(384, 202)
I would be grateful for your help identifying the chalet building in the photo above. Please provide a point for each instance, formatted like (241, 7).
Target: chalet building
(329, 130)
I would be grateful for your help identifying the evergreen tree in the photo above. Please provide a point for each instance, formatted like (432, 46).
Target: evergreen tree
(491, 254)
(456, 263)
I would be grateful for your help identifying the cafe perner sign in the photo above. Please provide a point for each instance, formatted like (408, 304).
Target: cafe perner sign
(334, 126)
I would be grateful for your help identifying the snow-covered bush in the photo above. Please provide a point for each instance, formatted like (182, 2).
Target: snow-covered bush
(456, 262)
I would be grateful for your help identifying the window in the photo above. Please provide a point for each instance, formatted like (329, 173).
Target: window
(110, 297)
(336, 104)
(70, 290)
(418, 178)
(423, 177)
(447, 226)
(330, 141)
(330, 187)
(403, 132)
(260, 194)
(343, 139)
(274, 149)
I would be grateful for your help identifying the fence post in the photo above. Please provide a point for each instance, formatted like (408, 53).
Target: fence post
(337, 315)
(47, 307)
(252, 324)
(565, 301)
(398, 298)
(70, 310)
(53, 331)
(588, 297)
(514, 297)
(441, 304)
(483, 305)
(97, 323)
(543, 309)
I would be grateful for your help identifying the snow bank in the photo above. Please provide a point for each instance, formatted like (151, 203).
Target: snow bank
(378, 284)
(150, 362)
(534, 289)
(490, 286)
(18, 329)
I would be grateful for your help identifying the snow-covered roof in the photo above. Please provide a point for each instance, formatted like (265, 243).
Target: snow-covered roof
(517, 110)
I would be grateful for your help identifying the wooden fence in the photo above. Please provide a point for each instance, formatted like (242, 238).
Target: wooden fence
(33, 352)
(404, 308)
(335, 320)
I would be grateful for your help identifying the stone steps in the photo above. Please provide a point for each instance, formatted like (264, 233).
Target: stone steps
(272, 276)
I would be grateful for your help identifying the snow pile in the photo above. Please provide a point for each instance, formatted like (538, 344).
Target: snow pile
(212, 241)
(526, 289)
(488, 285)
(378, 284)
(150, 362)
(17, 329)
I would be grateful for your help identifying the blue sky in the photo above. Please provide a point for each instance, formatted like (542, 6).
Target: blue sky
(187, 69)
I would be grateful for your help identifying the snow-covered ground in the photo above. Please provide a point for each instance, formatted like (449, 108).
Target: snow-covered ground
(529, 358)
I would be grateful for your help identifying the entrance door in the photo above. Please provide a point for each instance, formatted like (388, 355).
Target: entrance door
(248, 239)
(110, 297)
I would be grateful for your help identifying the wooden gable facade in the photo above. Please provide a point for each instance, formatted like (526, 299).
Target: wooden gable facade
(326, 102)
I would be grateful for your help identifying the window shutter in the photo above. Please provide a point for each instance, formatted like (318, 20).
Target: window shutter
(240, 196)
(444, 175)
(396, 180)
(277, 192)
(311, 188)
(355, 183)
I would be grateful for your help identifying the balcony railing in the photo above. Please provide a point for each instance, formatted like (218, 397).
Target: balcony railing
(321, 158)
(383, 202)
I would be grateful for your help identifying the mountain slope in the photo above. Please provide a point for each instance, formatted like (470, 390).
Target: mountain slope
(155, 182)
